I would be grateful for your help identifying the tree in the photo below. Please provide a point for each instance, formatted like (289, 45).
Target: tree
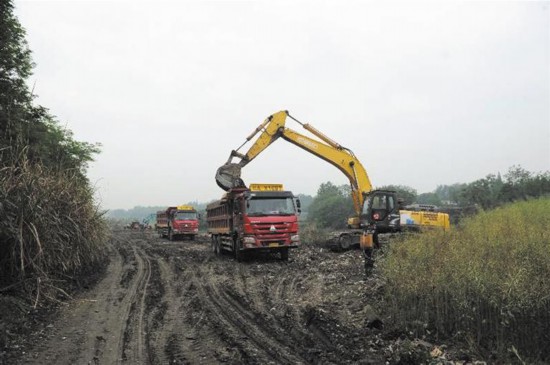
(15, 68)
(450, 194)
(305, 201)
(25, 128)
(478, 192)
(521, 184)
(331, 206)
(538, 185)
(428, 198)
(484, 192)
(404, 192)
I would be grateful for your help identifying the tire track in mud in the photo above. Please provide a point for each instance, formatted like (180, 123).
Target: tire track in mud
(132, 333)
(164, 336)
(175, 303)
(93, 327)
(285, 311)
(202, 335)
(278, 307)
(179, 340)
(243, 324)
(143, 287)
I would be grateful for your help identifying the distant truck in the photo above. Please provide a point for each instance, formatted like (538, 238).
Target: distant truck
(175, 222)
(263, 217)
(133, 225)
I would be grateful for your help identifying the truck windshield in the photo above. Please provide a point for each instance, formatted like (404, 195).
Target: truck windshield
(270, 206)
(185, 216)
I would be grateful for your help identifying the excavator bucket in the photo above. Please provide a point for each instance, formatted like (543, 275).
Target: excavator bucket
(229, 176)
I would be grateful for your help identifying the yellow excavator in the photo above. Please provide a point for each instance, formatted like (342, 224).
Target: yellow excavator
(376, 211)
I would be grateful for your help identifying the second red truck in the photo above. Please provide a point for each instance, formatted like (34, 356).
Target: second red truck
(175, 222)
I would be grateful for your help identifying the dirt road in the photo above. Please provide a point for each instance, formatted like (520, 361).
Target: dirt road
(164, 302)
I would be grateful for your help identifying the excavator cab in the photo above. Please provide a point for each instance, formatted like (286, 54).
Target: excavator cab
(381, 211)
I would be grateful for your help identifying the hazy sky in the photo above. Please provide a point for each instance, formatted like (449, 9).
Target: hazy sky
(424, 93)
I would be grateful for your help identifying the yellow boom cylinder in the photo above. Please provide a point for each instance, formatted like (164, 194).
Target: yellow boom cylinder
(322, 136)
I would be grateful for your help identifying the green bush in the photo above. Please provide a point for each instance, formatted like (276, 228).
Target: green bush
(487, 282)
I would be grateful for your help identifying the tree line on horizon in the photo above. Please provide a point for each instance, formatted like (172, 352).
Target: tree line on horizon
(332, 203)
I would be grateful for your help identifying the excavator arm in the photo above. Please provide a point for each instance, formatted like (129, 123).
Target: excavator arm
(229, 175)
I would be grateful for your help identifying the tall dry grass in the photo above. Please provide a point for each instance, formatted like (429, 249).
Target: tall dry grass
(486, 283)
(311, 234)
(50, 229)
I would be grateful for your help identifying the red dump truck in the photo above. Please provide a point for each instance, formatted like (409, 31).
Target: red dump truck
(175, 222)
(263, 217)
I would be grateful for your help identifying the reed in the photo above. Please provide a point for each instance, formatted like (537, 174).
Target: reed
(486, 283)
(51, 231)
(311, 234)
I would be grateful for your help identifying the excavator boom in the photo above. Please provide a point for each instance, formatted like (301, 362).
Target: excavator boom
(229, 175)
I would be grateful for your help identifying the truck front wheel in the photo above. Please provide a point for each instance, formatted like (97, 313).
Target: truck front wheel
(218, 247)
(284, 254)
(236, 252)
(213, 243)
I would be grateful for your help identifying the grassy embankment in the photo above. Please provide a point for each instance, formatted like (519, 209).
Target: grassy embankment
(486, 283)
(51, 231)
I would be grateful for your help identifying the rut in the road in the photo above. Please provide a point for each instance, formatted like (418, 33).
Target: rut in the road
(243, 322)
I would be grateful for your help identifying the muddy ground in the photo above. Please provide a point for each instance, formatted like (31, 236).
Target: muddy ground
(162, 302)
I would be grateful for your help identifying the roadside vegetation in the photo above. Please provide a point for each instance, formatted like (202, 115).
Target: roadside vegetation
(332, 204)
(486, 283)
(51, 230)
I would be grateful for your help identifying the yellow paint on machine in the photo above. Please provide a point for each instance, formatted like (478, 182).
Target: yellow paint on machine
(266, 187)
(366, 241)
(423, 219)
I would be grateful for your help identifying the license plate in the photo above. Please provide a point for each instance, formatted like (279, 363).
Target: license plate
(274, 244)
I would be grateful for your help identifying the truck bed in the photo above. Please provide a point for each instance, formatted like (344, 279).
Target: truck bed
(219, 218)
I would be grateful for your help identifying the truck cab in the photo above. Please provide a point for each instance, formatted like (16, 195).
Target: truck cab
(267, 219)
(183, 222)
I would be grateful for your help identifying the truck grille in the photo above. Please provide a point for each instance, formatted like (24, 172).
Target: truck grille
(272, 232)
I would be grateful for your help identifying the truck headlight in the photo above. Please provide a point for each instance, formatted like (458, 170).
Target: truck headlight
(196, 230)
(249, 239)
(295, 238)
